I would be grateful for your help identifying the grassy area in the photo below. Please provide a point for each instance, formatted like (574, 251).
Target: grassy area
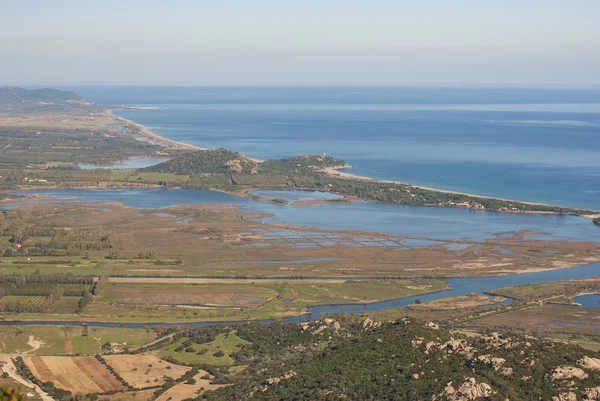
(549, 290)
(163, 302)
(583, 341)
(165, 177)
(183, 294)
(299, 294)
(57, 340)
(227, 343)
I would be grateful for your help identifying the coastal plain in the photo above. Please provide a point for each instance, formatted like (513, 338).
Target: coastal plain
(155, 301)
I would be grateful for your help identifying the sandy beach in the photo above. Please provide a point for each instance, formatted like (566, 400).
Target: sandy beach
(335, 171)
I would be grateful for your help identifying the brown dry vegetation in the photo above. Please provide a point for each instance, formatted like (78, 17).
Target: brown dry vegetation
(468, 301)
(143, 395)
(213, 239)
(79, 374)
(181, 294)
(144, 370)
(183, 391)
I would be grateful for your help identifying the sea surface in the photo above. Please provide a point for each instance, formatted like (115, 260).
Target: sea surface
(540, 145)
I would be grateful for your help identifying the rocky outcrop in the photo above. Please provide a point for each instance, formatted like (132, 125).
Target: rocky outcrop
(469, 390)
(275, 380)
(570, 396)
(495, 362)
(590, 363)
(591, 393)
(461, 347)
(370, 324)
(568, 372)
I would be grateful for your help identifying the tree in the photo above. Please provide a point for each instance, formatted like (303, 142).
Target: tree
(11, 394)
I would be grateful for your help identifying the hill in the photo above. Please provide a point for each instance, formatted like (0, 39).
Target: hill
(353, 358)
(222, 161)
(15, 99)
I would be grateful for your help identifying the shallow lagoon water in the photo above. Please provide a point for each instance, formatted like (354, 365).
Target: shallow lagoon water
(588, 301)
(294, 195)
(428, 222)
(139, 162)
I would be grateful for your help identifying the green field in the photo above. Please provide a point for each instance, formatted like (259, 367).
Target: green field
(53, 338)
(228, 343)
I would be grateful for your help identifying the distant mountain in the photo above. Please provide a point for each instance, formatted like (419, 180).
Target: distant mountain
(15, 99)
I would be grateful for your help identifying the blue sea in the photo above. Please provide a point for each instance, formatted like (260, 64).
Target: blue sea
(540, 145)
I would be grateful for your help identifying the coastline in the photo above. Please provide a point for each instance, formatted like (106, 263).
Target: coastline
(335, 171)
(145, 132)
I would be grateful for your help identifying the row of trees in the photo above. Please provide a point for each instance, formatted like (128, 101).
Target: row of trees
(21, 280)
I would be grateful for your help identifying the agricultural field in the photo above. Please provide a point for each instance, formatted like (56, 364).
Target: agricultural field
(144, 370)
(5, 240)
(75, 290)
(80, 374)
(217, 352)
(65, 340)
(142, 395)
(181, 294)
(27, 301)
(184, 390)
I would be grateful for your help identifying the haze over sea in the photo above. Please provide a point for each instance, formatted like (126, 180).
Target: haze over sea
(540, 145)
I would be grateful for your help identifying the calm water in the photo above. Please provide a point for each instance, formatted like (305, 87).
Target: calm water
(138, 162)
(538, 145)
(431, 222)
(588, 301)
(296, 195)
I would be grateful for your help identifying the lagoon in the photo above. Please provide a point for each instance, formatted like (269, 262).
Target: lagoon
(418, 221)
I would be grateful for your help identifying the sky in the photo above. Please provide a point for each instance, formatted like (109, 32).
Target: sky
(460, 42)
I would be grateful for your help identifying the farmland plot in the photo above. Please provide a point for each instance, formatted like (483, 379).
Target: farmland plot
(144, 370)
(80, 374)
(26, 301)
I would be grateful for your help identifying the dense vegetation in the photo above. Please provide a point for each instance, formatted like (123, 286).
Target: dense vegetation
(11, 394)
(31, 234)
(212, 161)
(407, 360)
(12, 98)
(222, 161)
(230, 170)
(34, 293)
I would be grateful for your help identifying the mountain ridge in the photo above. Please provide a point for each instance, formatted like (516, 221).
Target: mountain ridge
(17, 98)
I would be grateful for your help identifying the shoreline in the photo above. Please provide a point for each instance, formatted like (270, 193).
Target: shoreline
(335, 171)
(146, 133)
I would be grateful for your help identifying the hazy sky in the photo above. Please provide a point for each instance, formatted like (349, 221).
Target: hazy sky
(301, 41)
